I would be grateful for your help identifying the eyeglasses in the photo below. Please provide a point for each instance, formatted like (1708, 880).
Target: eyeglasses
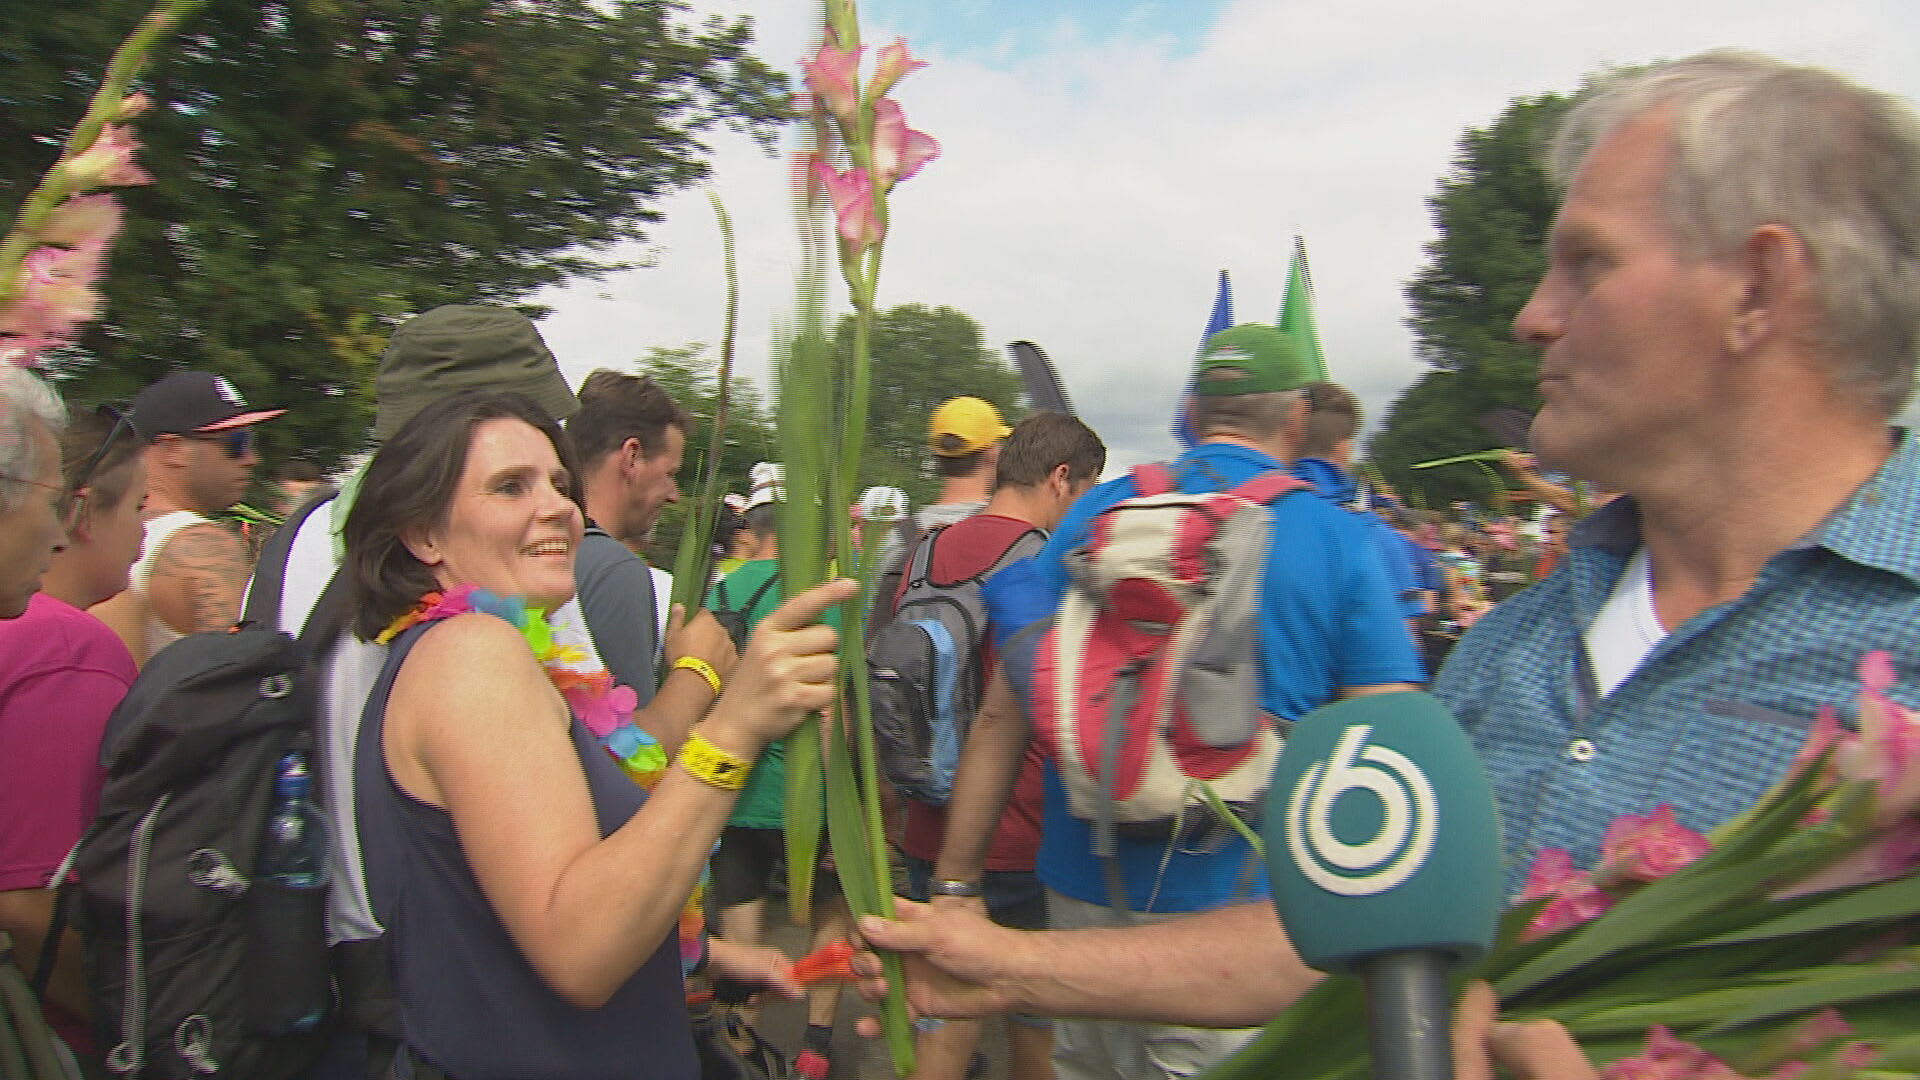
(121, 422)
(234, 442)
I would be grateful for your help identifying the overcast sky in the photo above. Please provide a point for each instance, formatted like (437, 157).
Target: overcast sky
(1103, 160)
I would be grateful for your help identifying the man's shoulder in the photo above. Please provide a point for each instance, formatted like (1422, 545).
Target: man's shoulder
(600, 553)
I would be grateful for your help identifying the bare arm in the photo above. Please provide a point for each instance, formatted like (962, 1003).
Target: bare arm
(989, 764)
(1522, 467)
(1230, 967)
(684, 696)
(25, 913)
(474, 726)
(198, 579)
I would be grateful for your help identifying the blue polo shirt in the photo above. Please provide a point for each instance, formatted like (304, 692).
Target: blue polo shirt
(1715, 713)
(1328, 620)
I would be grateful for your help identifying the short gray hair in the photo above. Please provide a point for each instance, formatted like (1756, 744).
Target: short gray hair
(1756, 141)
(25, 400)
(1251, 416)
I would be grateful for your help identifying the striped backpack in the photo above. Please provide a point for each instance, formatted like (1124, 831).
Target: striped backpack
(1145, 686)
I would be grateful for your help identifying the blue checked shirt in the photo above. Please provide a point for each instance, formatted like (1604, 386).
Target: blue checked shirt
(1714, 714)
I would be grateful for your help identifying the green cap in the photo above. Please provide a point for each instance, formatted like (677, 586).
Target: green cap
(465, 347)
(1251, 358)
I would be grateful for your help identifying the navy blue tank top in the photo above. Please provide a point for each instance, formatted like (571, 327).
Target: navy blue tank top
(469, 1001)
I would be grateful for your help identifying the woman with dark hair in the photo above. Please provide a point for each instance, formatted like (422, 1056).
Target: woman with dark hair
(530, 890)
(62, 672)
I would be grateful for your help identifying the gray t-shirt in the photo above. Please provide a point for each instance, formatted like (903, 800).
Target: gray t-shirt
(616, 596)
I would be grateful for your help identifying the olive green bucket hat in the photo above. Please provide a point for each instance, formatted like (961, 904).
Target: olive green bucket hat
(465, 347)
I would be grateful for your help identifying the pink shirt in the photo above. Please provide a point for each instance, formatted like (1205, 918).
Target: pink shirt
(61, 674)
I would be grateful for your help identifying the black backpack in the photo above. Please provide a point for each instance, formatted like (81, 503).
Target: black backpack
(735, 620)
(195, 966)
(924, 675)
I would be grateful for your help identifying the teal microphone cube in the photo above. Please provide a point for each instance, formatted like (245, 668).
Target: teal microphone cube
(1381, 835)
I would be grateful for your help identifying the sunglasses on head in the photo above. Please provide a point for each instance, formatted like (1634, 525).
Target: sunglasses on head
(234, 442)
(120, 422)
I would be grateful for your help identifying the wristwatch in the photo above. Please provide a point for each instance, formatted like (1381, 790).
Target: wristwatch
(954, 887)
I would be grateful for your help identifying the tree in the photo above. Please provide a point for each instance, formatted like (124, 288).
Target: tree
(921, 357)
(1493, 210)
(326, 167)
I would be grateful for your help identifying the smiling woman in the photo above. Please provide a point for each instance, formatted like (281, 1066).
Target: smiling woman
(531, 891)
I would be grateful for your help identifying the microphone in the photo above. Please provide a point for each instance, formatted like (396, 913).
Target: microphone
(1384, 854)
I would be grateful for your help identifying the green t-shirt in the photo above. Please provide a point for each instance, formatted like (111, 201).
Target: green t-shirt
(763, 802)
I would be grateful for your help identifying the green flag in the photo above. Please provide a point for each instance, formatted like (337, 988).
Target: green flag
(1296, 312)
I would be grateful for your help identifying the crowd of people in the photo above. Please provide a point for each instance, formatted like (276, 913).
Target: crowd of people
(1729, 319)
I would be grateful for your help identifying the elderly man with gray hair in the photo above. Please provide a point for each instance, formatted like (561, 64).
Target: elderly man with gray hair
(1729, 319)
(32, 494)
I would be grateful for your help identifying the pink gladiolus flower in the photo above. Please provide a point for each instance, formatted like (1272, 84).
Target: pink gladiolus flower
(1825, 734)
(56, 295)
(1576, 899)
(894, 63)
(1887, 749)
(852, 195)
(898, 150)
(830, 75)
(1551, 869)
(1668, 1057)
(134, 104)
(109, 162)
(1648, 847)
(83, 221)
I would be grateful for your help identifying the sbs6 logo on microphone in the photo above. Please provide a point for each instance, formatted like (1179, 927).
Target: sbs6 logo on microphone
(1385, 825)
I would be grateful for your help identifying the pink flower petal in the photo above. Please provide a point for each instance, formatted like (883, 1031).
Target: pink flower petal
(898, 151)
(83, 221)
(830, 74)
(893, 64)
(1648, 847)
(1876, 671)
(852, 196)
(1552, 868)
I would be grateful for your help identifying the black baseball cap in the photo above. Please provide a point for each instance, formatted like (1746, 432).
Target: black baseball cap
(194, 401)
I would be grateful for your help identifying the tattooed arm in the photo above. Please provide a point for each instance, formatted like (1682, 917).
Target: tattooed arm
(198, 579)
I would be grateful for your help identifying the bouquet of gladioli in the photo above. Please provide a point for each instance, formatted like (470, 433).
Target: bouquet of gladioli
(56, 252)
(1782, 946)
(859, 148)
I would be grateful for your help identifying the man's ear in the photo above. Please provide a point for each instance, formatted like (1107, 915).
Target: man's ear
(1061, 479)
(1775, 282)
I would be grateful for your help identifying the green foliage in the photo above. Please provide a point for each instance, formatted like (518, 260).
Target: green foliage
(326, 167)
(692, 377)
(921, 357)
(1493, 210)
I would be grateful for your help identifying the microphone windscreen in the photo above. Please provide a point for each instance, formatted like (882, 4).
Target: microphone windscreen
(1381, 835)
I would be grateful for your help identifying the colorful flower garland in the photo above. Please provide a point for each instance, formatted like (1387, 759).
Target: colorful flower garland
(605, 708)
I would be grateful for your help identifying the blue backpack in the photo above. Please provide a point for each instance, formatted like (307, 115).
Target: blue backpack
(924, 671)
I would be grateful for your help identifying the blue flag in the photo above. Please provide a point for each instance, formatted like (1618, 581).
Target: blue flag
(1221, 319)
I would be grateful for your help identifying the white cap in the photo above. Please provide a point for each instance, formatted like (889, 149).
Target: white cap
(769, 483)
(883, 505)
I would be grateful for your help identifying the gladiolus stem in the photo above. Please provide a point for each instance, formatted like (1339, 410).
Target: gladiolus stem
(159, 24)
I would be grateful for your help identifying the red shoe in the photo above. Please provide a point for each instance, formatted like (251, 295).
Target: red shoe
(812, 1065)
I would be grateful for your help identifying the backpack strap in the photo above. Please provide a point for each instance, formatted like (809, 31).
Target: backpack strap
(1155, 479)
(270, 571)
(920, 561)
(1268, 486)
(754, 600)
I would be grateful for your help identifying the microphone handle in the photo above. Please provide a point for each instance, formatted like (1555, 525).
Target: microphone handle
(1409, 1010)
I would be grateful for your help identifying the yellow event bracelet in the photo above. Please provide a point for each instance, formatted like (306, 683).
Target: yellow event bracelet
(701, 668)
(711, 765)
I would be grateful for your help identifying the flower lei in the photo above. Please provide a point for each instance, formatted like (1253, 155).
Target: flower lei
(605, 708)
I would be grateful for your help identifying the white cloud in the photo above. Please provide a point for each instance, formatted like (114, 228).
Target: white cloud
(1087, 197)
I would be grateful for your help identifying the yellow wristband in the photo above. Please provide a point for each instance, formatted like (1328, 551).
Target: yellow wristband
(701, 668)
(711, 765)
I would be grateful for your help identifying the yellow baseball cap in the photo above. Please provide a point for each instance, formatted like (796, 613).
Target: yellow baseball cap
(965, 425)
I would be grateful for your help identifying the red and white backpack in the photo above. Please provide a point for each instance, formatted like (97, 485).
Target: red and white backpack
(1145, 686)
